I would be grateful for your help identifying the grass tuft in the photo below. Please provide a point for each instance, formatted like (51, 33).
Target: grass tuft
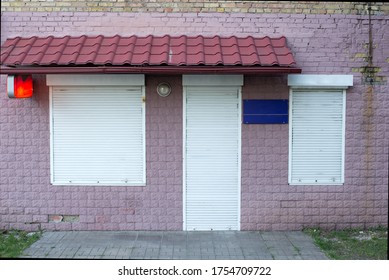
(13, 243)
(352, 244)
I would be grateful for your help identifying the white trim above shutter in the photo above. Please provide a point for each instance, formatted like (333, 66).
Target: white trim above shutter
(212, 80)
(95, 80)
(320, 81)
(98, 135)
(317, 125)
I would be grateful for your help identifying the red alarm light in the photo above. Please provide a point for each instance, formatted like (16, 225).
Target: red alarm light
(19, 86)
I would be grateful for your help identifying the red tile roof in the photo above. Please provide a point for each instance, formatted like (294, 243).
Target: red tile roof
(146, 51)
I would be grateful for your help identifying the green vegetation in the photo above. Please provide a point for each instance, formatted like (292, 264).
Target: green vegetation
(352, 244)
(12, 243)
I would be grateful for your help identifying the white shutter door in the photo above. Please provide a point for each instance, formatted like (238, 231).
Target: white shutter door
(317, 137)
(212, 158)
(97, 135)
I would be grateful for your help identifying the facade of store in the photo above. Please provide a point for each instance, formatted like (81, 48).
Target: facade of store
(237, 117)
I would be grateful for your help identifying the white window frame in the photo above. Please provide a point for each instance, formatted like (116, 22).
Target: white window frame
(121, 80)
(318, 83)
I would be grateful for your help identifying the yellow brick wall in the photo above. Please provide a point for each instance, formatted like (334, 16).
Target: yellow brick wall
(186, 6)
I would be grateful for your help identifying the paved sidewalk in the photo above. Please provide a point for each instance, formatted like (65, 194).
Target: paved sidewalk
(222, 245)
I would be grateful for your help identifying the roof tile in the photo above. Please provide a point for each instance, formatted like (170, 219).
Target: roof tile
(6, 51)
(160, 49)
(140, 58)
(53, 50)
(158, 59)
(88, 50)
(278, 42)
(14, 60)
(36, 50)
(83, 59)
(178, 41)
(106, 50)
(195, 41)
(285, 59)
(250, 59)
(178, 59)
(67, 59)
(212, 41)
(42, 42)
(213, 59)
(74, 41)
(122, 49)
(268, 60)
(143, 41)
(122, 59)
(127, 41)
(262, 42)
(233, 59)
(267, 50)
(109, 41)
(249, 50)
(20, 52)
(33, 59)
(11, 42)
(159, 41)
(72, 49)
(245, 42)
(147, 50)
(195, 49)
(24, 42)
(48, 59)
(195, 59)
(103, 59)
(56, 42)
(282, 51)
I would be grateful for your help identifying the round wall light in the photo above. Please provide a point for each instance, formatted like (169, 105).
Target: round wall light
(164, 89)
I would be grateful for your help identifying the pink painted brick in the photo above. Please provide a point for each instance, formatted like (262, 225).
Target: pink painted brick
(25, 139)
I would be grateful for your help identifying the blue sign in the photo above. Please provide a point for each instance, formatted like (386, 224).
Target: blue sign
(266, 111)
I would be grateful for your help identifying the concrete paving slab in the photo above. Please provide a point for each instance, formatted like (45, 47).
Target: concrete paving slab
(224, 245)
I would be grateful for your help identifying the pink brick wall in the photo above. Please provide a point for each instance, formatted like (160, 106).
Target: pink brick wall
(28, 199)
(322, 44)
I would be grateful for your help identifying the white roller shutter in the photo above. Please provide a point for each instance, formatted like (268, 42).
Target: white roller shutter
(97, 135)
(212, 159)
(317, 136)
